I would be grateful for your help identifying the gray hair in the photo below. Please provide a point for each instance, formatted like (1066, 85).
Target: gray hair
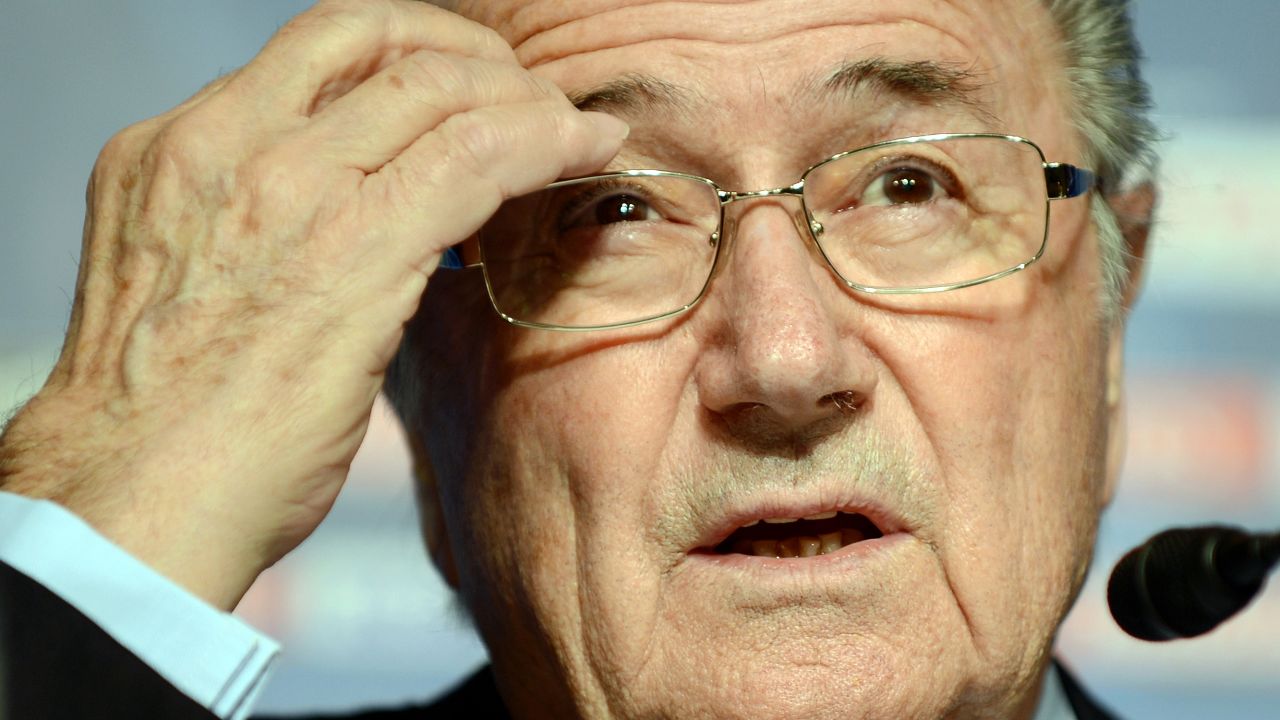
(1110, 109)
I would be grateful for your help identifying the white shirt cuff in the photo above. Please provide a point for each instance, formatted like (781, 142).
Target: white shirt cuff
(211, 656)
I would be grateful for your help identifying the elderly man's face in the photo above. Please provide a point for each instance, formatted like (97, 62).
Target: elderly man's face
(590, 477)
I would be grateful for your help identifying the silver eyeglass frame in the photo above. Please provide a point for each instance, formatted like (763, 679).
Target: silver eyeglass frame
(1062, 181)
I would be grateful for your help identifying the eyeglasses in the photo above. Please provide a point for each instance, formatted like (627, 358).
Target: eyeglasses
(926, 214)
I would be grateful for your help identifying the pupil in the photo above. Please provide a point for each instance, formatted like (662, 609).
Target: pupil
(624, 208)
(908, 186)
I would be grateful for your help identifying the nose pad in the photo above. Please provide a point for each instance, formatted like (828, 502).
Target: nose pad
(811, 229)
(815, 228)
(728, 234)
(798, 219)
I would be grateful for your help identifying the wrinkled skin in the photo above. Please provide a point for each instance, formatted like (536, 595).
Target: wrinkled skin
(252, 256)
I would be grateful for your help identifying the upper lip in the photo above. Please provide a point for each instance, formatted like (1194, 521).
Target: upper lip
(713, 529)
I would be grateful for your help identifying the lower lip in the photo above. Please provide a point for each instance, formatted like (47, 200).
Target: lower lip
(845, 559)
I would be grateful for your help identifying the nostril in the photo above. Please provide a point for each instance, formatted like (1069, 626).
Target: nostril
(847, 402)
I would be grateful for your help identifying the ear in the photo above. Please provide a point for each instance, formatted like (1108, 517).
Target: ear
(431, 511)
(1133, 210)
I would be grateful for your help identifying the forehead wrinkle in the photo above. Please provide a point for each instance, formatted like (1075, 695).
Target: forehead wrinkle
(529, 20)
(532, 25)
(544, 32)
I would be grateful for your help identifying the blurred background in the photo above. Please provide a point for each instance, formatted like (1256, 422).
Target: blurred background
(362, 615)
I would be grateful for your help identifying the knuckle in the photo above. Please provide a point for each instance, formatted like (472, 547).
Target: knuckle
(122, 148)
(549, 89)
(538, 88)
(268, 180)
(492, 45)
(481, 39)
(328, 15)
(185, 140)
(265, 185)
(328, 9)
(435, 72)
(445, 80)
(118, 161)
(429, 7)
(472, 143)
(567, 126)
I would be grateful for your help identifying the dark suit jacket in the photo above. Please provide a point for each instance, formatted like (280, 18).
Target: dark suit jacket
(44, 641)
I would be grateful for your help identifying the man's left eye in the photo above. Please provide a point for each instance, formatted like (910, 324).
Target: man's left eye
(902, 186)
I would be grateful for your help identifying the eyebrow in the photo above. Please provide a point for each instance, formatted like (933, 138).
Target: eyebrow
(634, 93)
(924, 83)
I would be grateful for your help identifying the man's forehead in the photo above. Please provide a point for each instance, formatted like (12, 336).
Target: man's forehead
(957, 49)
(544, 30)
(859, 70)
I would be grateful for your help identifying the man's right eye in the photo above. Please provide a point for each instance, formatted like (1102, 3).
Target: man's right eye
(609, 210)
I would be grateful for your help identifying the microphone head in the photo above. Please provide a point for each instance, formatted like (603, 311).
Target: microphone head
(1130, 603)
(1172, 587)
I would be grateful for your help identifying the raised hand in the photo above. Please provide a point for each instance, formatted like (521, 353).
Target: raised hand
(249, 261)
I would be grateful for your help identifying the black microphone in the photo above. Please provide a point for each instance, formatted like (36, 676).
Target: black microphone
(1184, 582)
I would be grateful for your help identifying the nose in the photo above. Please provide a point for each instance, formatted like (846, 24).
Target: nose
(783, 362)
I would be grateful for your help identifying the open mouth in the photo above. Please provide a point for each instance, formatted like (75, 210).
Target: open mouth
(800, 537)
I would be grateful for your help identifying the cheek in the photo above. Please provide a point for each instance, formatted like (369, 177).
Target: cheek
(570, 434)
(1009, 395)
(1012, 417)
(1012, 410)
(584, 437)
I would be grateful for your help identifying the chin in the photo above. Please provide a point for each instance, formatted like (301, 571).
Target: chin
(812, 693)
(836, 678)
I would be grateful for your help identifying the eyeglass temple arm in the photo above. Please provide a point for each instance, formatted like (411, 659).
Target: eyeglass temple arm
(1068, 181)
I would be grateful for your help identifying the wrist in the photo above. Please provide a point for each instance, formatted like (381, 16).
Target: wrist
(154, 508)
